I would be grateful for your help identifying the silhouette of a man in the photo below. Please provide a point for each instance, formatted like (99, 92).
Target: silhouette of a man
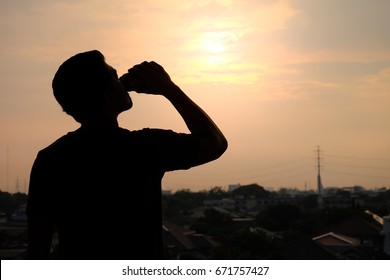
(99, 186)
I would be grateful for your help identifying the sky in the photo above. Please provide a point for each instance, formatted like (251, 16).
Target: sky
(281, 79)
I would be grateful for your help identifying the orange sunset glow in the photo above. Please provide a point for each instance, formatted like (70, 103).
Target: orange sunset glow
(279, 77)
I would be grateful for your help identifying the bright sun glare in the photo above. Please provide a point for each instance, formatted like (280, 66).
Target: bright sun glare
(214, 46)
(214, 53)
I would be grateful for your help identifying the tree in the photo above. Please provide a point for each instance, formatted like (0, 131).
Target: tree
(279, 217)
(9, 203)
(182, 201)
(245, 244)
(217, 193)
(214, 223)
(251, 190)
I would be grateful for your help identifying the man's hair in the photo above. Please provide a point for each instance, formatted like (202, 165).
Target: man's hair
(80, 82)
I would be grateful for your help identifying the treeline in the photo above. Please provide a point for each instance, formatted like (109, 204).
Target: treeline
(9, 203)
(185, 199)
(269, 229)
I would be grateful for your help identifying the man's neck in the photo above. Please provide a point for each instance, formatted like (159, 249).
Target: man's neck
(100, 123)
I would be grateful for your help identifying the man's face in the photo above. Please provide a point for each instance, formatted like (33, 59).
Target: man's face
(119, 95)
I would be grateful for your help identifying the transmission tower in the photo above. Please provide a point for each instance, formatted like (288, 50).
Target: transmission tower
(319, 182)
(17, 184)
(7, 171)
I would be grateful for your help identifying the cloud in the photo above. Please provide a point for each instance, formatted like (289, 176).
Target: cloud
(378, 83)
(346, 24)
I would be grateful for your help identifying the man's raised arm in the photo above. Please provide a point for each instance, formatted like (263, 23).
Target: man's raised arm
(157, 81)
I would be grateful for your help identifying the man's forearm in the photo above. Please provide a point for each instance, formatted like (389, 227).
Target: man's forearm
(213, 142)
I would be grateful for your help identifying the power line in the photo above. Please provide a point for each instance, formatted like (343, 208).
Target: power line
(292, 168)
(358, 175)
(358, 158)
(359, 166)
(267, 174)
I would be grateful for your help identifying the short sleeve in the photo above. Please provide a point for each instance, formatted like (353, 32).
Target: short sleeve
(172, 150)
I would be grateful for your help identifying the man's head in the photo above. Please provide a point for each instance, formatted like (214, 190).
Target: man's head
(85, 85)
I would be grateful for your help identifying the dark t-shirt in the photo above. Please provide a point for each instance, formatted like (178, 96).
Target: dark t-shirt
(102, 189)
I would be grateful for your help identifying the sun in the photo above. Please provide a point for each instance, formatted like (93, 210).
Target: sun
(214, 47)
(214, 52)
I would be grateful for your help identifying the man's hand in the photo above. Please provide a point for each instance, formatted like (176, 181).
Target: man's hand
(153, 78)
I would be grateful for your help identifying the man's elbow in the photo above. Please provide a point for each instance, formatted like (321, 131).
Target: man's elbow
(213, 149)
(222, 146)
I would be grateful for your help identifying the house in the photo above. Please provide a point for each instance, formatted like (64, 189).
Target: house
(354, 238)
(333, 239)
(182, 243)
(303, 248)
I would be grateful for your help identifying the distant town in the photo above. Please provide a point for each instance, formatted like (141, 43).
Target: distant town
(250, 222)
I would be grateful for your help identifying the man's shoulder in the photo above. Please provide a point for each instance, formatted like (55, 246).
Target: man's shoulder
(156, 132)
(73, 139)
(63, 142)
(57, 145)
(152, 132)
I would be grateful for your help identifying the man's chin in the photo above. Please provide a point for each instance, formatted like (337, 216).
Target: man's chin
(127, 107)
